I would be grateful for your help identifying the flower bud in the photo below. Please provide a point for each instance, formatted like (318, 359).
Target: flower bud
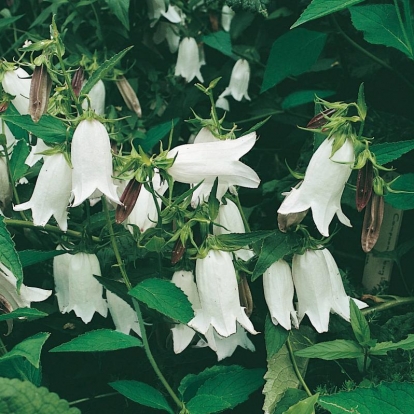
(77, 81)
(320, 119)
(39, 92)
(364, 185)
(129, 96)
(178, 252)
(3, 107)
(245, 295)
(287, 221)
(128, 198)
(371, 227)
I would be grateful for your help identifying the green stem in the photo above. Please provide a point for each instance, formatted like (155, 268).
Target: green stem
(296, 368)
(110, 394)
(245, 222)
(396, 301)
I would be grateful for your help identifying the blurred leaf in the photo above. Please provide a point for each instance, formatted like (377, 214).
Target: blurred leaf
(304, 97)
(383, 347)
(156, 134)
(29, 313)
(30, 257)
(7, 21)
(220, 41)
(275, 337)
(300, 49)
(403, 200)
(120, 9)
(338, 349)
(98, 341)
(142, 393)
(320, 8)
(165, 297)
(306, 406)
(390, 151)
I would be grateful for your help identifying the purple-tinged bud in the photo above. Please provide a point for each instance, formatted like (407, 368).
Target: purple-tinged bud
(77, 81)
(40, 88)
(178, 252)
(3, 107)
(287, 221)
(371, 227)
(364, 185)
(245, 295)
(320, 119)
(129, 96)
(128, 199)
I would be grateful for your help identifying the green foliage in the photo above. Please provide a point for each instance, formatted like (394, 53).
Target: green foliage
(402, 196)
(23, 313)
(390, 151)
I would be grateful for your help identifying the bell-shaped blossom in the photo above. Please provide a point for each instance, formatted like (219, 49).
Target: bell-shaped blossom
(278, 291)
(319, 288)
(6, 190)
(35, 152)
(158, 8)
(229, 220)
(92, 162)
(219, 296)
(17, 82)
(223, 103)
(96, 98)
(145, 213)
(204, 162)
(227, 15)
(124, 317)
(183, 334)
(188, 60)
(52, 192)
(322, 188)
(76, 287)
(169, 32)
(225, 347)
(239, 81)
(13, 299)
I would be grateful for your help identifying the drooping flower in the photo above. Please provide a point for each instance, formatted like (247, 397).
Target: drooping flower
(231, 221)
(35, 152)
(17, 82)
(76, 287)
(323, 186)
(188, 60)
(239, 81)
(96, 98)
(158, 8)
(219, 296)
(92, 162)
(124, 317)
(6, 190)
(278, 291)
(169, 32)
(227, 15)
(52, 192)
(319, 288)
(204, 162)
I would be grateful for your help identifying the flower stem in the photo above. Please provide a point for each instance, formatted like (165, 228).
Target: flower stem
(296, 368)
(109, 394)
(395, 301)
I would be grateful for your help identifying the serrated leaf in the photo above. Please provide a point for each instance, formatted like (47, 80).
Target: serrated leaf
(142, 393)
(18, 168)
(103, 70)
(164, 297)
(380, 26)
(359, 325)
(29, 348)
(30, 257)
(8, 254)
(405, 199)
(338, 349)
(19, 133)
(383, 347)
(22, 397)
(225, 391)
(120, 9)
(306, 406)
(29, 313)
(220, 41)
(280, 373)
(290, 397)
(304, 97)
(300, 49)
(99, 341)
(239, 240)
(390, 151)
(156, 134)
(387, 398)
(275, 337)
(320, 8)
(22, 369)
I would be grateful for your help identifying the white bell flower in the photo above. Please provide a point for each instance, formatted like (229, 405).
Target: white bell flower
(223, 103)
(322, 188)
(17, 82)
(239, 81)
(188, 60)
(169, 32)
(278, 291)
(319, 288)
(158, 8)
(35, 152)
(52, 192)
(92, 162)
(124, 317)
(204, 162)
(96, 98)
(76, 287)
(227, 15)
(219, 296)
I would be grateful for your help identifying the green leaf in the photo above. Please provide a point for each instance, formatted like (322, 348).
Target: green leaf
(275, 337)
(29, 313)
(274, 247)
(19, 133)
(359, 325)
(320, 8)
(383, 347)
(120, 9)
(213, 203)
(156, 134)
(22, 369)
(380, 26)
(29, 348)
(280, 375)
(155, 244)
(239, 240)
(220, 41)
(22, 397)
(50, 129)
(300, 49)
(405, 199)
(304, 97)
(18, 167)
(99, 341)
(142, 393)
(7, 21)
(338, 349)
(165, 297)
(103, 70)
(290, 397)
(8, 254)
(225, 391)
(390, 151)
(30, 257)
(306, 406)
(387, 398)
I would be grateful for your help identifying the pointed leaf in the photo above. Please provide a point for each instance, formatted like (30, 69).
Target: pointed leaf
(359, 325)
(239, 240)
(99, 341)
(306, 406)
(290, 397)
(7, 21)
(383, 347)
(30, 257)
(18, 168)
(120, 9)
(405, 199)
(220, 41)
(156, 134)
(338, 349)
(275, 337)
(390, 151)
(29, 313)
(304, 97)
(164, 297)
